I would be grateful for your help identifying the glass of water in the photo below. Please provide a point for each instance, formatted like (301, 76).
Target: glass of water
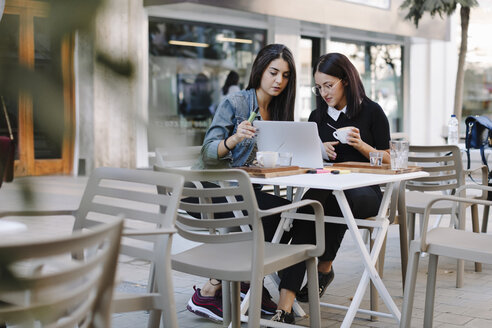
(284, 159)
(376, 158)
(399, 154)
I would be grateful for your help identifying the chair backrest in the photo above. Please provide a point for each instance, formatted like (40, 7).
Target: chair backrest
(444, 165)
(177, 157)
(43, 285)
(132, 193)
(226, 204)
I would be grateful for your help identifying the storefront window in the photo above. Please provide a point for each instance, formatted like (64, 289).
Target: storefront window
(189, 63)
(380, 67)
(477, 98)
(477, 93)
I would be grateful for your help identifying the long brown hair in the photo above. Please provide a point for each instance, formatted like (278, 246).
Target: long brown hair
(338, 65)
(281, 107)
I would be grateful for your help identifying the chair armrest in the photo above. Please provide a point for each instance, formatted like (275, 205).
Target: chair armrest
(161, 231)
(318, 221)
(423, 241)
(473, 186)
(284, 208)
(37, 213)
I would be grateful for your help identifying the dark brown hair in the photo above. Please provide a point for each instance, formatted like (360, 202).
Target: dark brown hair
(281, 107)
(338, 65)
(232, 79)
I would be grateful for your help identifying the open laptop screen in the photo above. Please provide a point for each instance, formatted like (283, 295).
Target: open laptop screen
(299, 138)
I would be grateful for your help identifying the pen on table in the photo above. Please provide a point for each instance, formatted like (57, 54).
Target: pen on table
(332, 171)
(253, 114)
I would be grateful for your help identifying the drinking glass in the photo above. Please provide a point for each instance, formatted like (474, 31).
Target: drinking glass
(284, 159)
(399, 154)
(376, 158)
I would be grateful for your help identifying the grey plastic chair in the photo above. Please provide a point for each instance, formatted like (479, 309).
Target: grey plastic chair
(445, 167)
(450, 242)
(236, 256)
(42, 285)
(149, 225)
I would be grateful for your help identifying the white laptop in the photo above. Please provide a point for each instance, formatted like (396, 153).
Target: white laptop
(299, 138)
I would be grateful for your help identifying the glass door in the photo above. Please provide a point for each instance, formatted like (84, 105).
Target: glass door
(42, 122)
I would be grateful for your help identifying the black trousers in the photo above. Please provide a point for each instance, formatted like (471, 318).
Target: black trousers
(364, 202)
(265, 201)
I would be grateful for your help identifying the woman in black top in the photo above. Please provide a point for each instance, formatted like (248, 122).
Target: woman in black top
(341, 102)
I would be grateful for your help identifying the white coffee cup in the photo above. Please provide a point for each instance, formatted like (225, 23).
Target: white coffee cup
(342, 134)
(267, 159)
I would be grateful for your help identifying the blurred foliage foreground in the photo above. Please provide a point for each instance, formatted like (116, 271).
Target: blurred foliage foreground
(66, 17)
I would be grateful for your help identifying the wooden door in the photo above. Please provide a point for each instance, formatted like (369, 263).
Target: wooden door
(27, 41)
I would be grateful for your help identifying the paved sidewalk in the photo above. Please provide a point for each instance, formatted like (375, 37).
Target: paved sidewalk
(470, 306)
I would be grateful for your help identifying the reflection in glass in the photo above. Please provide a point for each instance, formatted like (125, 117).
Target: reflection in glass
(477, 93)
(47, 139)
(477, 97)
(185, 78)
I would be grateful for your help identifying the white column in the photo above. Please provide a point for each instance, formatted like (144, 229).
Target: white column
(287, 32)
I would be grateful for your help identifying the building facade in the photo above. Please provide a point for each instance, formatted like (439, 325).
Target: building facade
(182, 52)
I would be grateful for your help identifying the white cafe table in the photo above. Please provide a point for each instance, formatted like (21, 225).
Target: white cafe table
(339, 183)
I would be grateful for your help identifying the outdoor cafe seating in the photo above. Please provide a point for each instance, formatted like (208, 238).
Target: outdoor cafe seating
(232, 254)
(443, 241)
(43, 284)
(157, 198)
(149, 226)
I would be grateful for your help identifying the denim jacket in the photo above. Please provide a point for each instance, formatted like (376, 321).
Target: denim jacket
(231, 111)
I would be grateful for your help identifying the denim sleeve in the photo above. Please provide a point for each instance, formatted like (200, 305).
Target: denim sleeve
(222, 126)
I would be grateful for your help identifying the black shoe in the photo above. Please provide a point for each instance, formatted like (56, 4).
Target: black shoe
(324, 279)
(282, 316)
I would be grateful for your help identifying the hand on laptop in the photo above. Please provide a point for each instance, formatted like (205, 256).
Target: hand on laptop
(330, 149)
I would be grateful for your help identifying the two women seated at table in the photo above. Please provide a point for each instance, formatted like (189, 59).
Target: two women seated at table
(230, 142)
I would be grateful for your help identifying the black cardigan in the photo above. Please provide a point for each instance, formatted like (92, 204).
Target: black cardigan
(371, 122)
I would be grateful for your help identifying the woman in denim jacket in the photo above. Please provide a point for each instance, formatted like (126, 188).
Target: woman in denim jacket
(230, 142)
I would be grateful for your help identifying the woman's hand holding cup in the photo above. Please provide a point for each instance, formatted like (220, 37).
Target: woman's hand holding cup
(349, 135)
(344, 134)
